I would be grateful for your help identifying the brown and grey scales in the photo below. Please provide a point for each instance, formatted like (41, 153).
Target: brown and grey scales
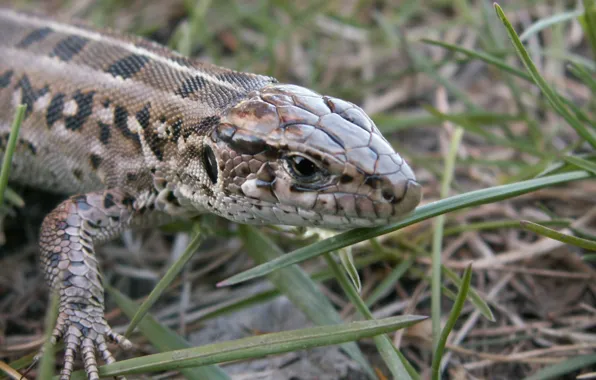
(140, 135)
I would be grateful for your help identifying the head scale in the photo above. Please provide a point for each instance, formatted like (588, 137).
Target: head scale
(287, 155)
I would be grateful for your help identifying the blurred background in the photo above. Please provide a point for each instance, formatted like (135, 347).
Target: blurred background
(381, 56)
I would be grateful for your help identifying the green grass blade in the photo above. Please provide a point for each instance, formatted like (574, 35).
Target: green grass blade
(46, 366)
(13, 198)
(167, 279)
(165, 339)
(492, 138)
(473, 295)
(437, 241)
(10, 147)
(566, 367)
(299, 288)
(546, 89)
(255, 346)
(587, 76)
(488, 58)
(347, 261)
(549, 21)
(556, 235)
(499, 63)
(462, 294)
(588, 22)
(581, 163)
(383, 343)
(427, 211)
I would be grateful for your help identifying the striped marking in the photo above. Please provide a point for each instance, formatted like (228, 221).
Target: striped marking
(127, 67)
(70, 46)
(84, 34)
(28, 94)
(84, 110)
(54, 111)
(5, 78)
(35, 36)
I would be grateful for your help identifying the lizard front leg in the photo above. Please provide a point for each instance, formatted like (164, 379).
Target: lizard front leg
(68, 235)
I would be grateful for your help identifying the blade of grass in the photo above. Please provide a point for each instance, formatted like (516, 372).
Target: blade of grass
(548, 21)
(462, 294)
(46, 366)
(494, 139)
(255, 346)
(559, 370)
(427, 211)
(492, 60)
(546, 89)
(473, 295)
(347, 261)
(588, 22)
(13, 198)
(10, 147)
(581, 163)
(488, 58)
(298, 287)
(167, 279)
(383, 343)
(585, 75)
(556, 235)
(165, 339)
(437, 242)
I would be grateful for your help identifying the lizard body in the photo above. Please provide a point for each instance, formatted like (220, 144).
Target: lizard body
(139, 135)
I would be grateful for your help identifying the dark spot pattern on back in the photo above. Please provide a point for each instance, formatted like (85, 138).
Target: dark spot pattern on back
(85, 108)
(54, 111)
(190, 86)
(78, 174)
(127, 67)
(128, 201)
(104, 132)
(121, 122)
(28, 94)
(176, 128)
(67, 48)
(5, 78)
(95, 160)
(155, 143)
(31, 147)
(144, 116)
(33, 37)
(108, 201)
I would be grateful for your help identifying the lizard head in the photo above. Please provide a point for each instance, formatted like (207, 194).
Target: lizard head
(287, 155)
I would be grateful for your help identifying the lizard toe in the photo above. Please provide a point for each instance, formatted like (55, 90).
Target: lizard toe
(120, 340)
(72, 340)
(89, 359)
(106, 354)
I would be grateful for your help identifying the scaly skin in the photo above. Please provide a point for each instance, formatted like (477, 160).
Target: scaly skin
(142, 135)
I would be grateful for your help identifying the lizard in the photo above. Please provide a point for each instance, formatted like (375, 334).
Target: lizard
(138, 135)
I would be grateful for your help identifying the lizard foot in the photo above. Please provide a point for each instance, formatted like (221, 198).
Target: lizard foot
(84, 330)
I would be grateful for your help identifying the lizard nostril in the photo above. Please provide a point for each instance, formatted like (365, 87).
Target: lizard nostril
(387, 195)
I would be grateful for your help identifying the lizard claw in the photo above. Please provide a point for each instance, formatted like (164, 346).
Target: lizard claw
(83, 332)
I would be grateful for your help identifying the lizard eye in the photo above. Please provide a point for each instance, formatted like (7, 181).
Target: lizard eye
(210, 163)
(303, 168)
